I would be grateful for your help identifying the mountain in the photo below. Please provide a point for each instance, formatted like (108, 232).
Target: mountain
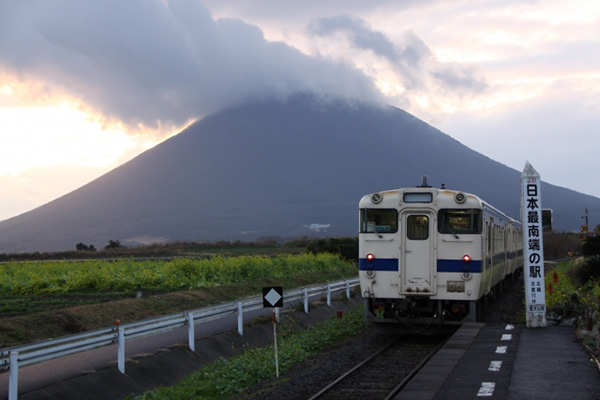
(273, 168)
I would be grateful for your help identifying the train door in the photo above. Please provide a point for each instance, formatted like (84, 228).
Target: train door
(489, 258)
(418, 254)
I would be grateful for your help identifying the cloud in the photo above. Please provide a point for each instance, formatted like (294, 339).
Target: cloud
(557, 134)
(412, 61)
(154, 63)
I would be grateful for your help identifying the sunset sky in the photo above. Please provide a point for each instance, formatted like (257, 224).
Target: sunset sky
(86, 86)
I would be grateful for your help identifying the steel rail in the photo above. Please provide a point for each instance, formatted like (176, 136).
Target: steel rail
(412, 373)
(356, 367)
(394, 391)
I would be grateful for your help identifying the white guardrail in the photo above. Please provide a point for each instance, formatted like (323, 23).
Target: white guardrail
(13, 358)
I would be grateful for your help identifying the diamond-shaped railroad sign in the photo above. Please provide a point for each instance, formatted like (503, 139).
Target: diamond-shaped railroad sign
(273, 296)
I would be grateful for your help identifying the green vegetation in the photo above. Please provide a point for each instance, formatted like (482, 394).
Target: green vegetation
(114, 249)
(347, 248)
(225, 378)
(39, 300)
(32, 278)
(573, 291)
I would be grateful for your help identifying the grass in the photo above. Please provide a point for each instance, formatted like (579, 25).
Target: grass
(11, 306)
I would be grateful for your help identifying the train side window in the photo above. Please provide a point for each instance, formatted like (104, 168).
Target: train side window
(417, 227)
(455, 221)
(378, 220)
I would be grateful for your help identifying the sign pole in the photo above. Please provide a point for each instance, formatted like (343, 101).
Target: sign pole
(273, 297)
(533, 248)
(275, 341)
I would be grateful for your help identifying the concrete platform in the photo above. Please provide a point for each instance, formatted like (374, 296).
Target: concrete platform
(507, 362)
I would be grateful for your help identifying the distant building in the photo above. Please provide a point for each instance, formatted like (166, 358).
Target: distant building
(317, 227)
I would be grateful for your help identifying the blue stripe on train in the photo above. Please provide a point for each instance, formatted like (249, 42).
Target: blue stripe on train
(379, 264)
(458, 266)
(391, 264)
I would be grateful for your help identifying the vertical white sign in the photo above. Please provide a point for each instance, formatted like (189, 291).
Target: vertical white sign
(533, 248)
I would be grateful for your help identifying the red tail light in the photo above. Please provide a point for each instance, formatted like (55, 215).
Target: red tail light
(370, 257)
(467, 258)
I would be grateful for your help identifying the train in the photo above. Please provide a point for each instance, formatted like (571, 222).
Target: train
(432, 257)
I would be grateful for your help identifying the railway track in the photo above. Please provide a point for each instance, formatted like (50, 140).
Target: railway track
(383, 374)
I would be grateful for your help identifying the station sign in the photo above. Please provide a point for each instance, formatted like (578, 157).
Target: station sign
(533, 248)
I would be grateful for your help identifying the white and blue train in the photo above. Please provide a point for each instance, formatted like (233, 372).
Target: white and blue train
(430, 257)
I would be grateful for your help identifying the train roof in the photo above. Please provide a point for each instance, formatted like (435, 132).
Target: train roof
(395, 197)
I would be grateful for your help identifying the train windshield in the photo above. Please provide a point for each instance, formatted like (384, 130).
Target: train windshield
(378, 220)
(459, 221)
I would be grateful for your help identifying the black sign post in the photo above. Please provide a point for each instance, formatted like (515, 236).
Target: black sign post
(273, 297)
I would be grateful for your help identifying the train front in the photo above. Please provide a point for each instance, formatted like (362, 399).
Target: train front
(420, 256)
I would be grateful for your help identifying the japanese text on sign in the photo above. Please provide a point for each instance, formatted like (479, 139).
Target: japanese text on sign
(531, 213)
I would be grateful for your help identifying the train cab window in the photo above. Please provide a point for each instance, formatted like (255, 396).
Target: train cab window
(417, 227)
(457, 221)
(378, 220)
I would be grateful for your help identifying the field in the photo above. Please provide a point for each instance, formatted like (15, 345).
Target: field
(49, 299)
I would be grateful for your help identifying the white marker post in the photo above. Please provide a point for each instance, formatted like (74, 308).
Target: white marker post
(275, 343)
(533, 248)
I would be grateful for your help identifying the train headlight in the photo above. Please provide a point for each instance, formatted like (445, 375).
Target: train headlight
(467, 258)
(370, 272)
(460, 197)
(376, 198)
(455, 286)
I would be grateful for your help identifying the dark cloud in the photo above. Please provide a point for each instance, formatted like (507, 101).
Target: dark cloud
(154, 62)
(413, 61)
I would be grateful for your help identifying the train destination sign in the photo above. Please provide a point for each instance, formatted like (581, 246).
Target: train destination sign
(533, 248)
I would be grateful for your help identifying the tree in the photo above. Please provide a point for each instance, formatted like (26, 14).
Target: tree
(346, 247)
(114, 244)
(84, 247)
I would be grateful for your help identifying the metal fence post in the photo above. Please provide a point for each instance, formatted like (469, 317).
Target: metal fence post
(240, 318)
(306, 300)
(328, 294)
(348, 290)
(121, 350)
(191, 332)
(13, 379)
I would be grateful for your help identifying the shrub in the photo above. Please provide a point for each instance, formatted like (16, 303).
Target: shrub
(559, 245)
(589, 270)
(347, 248)
(591, 246)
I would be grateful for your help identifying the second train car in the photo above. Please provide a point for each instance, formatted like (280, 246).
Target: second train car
(429, 257)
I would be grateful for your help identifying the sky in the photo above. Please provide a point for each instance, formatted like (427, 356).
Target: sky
(87, 85)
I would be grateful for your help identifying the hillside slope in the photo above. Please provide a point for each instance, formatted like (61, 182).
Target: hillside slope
(272, 169)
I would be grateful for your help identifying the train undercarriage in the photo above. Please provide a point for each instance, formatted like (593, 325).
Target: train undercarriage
(421, 314)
